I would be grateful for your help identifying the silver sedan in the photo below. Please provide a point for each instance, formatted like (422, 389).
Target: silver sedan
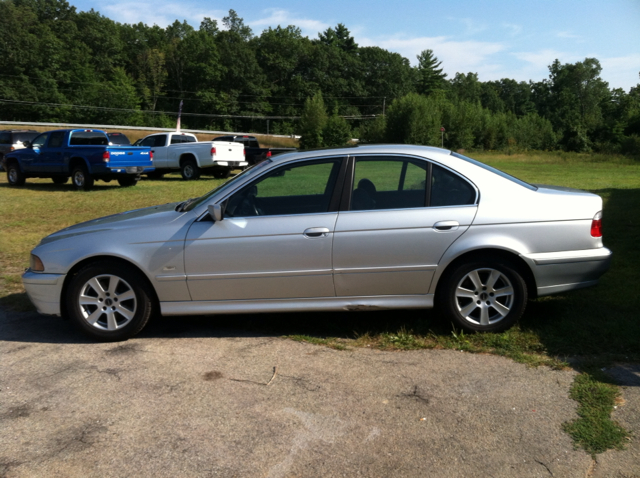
(364, 228)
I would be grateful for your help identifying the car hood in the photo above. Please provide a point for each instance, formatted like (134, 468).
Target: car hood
(137, 218)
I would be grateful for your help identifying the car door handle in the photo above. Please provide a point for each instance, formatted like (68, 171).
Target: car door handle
(446, 225)
(316, 232)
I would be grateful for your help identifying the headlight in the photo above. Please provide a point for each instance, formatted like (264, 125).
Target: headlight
(36, 264)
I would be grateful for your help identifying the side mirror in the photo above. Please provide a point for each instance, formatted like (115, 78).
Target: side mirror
(26, 144)
(216, 212)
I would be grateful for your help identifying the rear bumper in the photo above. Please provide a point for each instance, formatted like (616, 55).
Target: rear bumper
(44, 291)
(231, 164)
(557, 272)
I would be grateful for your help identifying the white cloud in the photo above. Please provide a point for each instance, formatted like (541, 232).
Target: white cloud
(512, 28)
(285, 18)
(568, 35)
(456, 56)
(158, 13)
(622, 71)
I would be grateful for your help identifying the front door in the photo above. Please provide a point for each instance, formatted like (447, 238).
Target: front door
(275, 241)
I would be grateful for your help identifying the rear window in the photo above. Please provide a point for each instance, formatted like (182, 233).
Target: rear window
(495, 171)
(22, 137)
(88, 138)
(118, 138)
(182, 138)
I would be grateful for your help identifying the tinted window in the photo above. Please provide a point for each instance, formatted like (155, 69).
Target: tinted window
(5, 138)
(302, 188)
(388, 183)
(39, 141)
(88, 138)
(495, 171)
(182, 138)
(55, 139)
(449, 189)
(118, 138)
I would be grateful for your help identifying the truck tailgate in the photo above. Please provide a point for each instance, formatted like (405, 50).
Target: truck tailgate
(124, 156)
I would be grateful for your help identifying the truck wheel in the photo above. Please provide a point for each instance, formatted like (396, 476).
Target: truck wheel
(222, 173)
(81, 178)
(15, 177)
(127, 181)
(59, 179)
(190, 170)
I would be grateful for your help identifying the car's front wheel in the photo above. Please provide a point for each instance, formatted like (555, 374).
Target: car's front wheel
(483, 296)
(15, 177)
(109, 301)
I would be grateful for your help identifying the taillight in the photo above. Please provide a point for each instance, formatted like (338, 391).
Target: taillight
(268, 154)
(13, 148)
(151, 155)
(106, 156)
(596, 225)
(244, 151)
(213, 151)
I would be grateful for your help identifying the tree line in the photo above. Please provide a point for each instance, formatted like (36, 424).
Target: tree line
(61, 65)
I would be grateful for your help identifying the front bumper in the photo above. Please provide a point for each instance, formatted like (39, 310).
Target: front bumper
(557, 272)
(44, 291)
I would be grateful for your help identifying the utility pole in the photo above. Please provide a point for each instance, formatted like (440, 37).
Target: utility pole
(442, 136)
(384, 103)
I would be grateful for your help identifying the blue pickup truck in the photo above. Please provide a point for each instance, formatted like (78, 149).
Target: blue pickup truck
(84, 155)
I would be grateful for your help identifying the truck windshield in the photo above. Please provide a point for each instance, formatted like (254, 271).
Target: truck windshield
(229, 184)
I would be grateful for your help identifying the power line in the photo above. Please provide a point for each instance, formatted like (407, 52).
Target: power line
(265, 95)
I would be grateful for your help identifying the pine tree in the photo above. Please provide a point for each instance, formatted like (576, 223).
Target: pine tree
(430, 76)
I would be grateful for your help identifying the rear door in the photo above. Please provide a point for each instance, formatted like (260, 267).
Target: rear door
(390, 238)
(50, 159)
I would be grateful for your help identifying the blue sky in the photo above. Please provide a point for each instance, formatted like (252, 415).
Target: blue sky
(494, 38)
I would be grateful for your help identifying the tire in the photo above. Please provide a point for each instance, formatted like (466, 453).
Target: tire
(483, 296)
(221, 173)
(190, 170)
(109, 301)
(15, 177)
(81, 178)
(59, 179)
(127, 181)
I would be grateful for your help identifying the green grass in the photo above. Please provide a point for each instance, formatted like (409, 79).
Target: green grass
(594, 430)
(598, 323)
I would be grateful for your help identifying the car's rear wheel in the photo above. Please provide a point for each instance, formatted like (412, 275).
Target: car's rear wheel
(127, 181)
(110, 302)
(15, 177)
(190, 169)
(81, 178)
(221, 173)
(483, 296)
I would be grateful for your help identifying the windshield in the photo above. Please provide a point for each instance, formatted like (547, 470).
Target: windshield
(224, 186)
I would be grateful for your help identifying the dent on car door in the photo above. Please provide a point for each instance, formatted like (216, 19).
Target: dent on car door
(400, 219)
(275, 240)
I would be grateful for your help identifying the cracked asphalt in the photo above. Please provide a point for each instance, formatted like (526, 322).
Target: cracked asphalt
(194, 398)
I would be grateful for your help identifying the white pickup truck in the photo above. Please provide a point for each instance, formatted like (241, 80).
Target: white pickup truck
(183, 151)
